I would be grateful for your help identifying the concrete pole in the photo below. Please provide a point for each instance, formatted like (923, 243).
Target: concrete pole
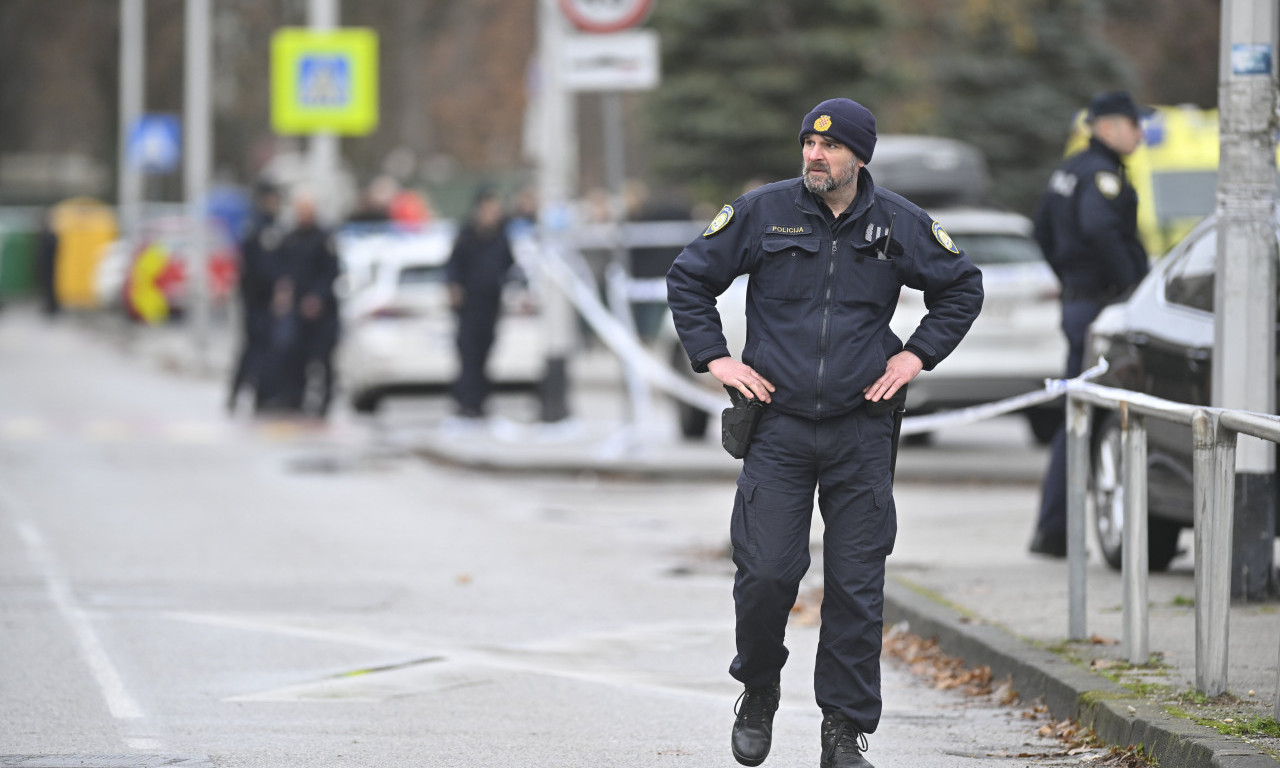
(620, 270)
(324, 157)
(133, 41)
(555, 172)
(197, 163)
(1244, 373)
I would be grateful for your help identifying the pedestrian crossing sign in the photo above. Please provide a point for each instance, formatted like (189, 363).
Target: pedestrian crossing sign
(324, 81)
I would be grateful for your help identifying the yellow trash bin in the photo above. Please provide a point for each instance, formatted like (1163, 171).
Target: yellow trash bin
(84, 227)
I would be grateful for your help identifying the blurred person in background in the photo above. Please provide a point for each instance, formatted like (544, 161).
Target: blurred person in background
(256, 289)
(476, 272)
(1087, 226)
(310, 261)
(825, 277)
(47, 266)
(375, 203)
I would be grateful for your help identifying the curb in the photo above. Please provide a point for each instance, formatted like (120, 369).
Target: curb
(1117, 716)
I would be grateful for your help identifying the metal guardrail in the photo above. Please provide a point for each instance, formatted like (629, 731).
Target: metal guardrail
(1214, 433)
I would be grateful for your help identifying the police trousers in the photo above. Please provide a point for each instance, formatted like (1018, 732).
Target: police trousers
(847, 460)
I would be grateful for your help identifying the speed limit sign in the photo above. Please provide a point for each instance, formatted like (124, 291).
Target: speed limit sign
(604, 16)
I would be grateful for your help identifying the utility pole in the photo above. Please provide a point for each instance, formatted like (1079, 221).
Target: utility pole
(555, 172)
(133, 40)
(322, 16)
(1244, 374)
(198, 162)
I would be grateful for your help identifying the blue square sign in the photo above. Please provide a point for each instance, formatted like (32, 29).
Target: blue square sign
(324, 80)
(155, 143)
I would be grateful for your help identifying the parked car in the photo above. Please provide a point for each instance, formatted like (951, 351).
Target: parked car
(1158, 342)
(399, 330)
(1014, 345)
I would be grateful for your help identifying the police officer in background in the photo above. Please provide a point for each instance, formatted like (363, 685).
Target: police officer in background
(824, 281)
(1087, 226)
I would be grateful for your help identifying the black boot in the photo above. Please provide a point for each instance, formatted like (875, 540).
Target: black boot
(753, 730)
(842, 744)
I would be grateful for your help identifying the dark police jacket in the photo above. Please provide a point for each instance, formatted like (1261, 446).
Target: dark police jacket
(818, 300)
(1087, 226)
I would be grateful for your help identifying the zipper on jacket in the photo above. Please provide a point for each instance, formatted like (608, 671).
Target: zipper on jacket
(824, 332)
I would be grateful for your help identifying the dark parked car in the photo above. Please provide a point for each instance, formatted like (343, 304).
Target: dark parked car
(1159, 342)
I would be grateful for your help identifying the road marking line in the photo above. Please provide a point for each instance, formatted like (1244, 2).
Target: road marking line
(120, 703)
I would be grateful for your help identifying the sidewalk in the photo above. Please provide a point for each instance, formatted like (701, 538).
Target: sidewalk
(961, 572)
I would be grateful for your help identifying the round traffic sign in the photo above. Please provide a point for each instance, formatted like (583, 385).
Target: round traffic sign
(604, 16)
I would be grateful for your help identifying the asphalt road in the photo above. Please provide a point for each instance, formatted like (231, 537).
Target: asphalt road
(177, 587)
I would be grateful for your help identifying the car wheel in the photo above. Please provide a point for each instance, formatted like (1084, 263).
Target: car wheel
(1108, 501)
(1044, 423)
(366, 402)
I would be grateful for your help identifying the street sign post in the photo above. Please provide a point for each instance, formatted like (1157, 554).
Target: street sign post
(155, 143)
(622, 61)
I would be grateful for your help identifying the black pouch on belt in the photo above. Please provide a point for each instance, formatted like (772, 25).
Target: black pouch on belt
(738, 422)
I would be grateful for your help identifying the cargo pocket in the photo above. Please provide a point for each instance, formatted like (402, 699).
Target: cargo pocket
(879, 523)
(789, 270)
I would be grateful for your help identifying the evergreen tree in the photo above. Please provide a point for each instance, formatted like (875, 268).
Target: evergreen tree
(1011, 80)
(738, 75)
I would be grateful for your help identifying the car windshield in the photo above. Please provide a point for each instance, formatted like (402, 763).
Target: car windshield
(1189, 279)
(999, 249)
(420, 274)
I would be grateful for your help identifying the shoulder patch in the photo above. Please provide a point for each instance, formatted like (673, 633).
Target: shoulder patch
(943, 238)
(720, 221)
(1108, 184)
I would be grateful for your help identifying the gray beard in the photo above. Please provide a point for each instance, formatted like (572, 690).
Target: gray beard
(829, 183)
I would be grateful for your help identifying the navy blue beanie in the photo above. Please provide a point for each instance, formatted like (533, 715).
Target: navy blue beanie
(846, 121)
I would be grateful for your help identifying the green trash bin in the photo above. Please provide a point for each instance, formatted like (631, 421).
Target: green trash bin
(17, 262)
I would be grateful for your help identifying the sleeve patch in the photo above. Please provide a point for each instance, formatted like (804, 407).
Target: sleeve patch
(943, 238)
(720, 221)
(1108, 184)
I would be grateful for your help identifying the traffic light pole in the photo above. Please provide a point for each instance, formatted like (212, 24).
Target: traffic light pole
(1244, 374)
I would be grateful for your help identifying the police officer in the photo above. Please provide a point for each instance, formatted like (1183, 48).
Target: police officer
(824, 281)
(1087, 226)
(477, 270)
(256, 250)
(310, 261)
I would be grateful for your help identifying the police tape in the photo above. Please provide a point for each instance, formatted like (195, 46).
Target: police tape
(1053, 389)
(623, 342)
